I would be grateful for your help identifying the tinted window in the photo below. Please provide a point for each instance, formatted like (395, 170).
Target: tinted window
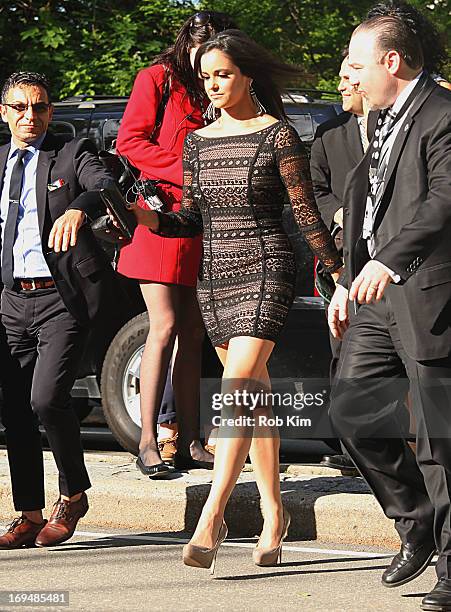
(304, 126)
(62, 128)
(5, 134)
(109, 132)
(76, 117)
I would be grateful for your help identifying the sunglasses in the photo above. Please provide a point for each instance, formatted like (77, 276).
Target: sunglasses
(200, 19)
(39, 107)
(219, 21)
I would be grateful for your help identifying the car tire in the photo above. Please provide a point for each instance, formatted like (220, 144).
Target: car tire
(119, 382)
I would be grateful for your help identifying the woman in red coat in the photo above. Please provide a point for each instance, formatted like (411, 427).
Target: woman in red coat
(166, 268)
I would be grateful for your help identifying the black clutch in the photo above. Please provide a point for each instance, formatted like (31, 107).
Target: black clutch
(116, 204)
(105, 230)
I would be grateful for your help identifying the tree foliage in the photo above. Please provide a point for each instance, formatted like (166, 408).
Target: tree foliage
(87, 46)
(97, 46)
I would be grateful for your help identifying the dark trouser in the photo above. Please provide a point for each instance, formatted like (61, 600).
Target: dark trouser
(42, 356)
(335, 347)
(167, 409)
(371, 383)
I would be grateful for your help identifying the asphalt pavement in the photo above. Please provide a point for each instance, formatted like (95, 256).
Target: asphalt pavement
(131, 570)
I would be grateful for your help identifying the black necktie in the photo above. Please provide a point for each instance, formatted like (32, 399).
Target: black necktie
(15, 188)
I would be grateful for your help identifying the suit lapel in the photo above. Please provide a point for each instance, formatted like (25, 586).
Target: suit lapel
(46, 155)
(404, 130)
(3, 157)
(4, 151)
(354, 141)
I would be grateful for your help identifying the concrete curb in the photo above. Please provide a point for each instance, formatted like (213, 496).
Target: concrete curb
(324, 506)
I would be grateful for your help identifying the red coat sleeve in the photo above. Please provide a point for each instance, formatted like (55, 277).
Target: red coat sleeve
(137, 125)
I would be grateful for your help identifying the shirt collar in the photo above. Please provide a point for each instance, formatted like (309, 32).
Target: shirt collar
(405, 93)
(32, 147)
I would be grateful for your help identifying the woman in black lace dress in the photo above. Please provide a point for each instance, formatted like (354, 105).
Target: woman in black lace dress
(236, 174)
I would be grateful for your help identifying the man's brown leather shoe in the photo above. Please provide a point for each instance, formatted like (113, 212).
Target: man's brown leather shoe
(21, 532)
(168, 448)
(63, 521)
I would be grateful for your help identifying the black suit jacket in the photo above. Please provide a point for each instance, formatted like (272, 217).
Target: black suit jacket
(413, 225)
(336, 150)
(83, 274)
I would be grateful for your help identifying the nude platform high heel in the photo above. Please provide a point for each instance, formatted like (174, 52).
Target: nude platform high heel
(266, 557)
(201, 556)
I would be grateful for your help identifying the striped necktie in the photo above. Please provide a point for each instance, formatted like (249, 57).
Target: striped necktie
(378, 167)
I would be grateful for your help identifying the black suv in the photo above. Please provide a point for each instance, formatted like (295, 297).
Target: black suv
(109, 371)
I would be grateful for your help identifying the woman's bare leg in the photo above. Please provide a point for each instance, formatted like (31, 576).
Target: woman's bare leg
(264, 454)
(244, 361)
(160, 303)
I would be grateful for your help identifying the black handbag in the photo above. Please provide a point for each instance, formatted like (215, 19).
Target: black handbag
(105, 230)
(128, 181)
(324, 283)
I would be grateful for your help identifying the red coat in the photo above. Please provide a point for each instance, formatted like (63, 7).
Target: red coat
(148, 256)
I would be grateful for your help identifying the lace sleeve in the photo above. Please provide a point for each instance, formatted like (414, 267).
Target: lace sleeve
(294, 171)
(187, 222)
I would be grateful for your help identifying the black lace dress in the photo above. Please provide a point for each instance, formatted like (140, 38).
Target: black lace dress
(234, 189)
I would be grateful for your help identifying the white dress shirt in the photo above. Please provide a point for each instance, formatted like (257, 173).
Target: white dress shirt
(28, 260)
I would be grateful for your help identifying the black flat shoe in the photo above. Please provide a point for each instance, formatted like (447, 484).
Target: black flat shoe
(439, 599)
(160, 470)
(182, 462)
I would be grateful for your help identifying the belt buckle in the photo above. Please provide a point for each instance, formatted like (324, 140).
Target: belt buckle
(33, 285)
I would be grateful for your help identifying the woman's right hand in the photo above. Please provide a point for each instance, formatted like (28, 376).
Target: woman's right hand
(146, 217)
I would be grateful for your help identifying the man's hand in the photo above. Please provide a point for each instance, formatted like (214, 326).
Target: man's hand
(338, 217)
(65, 230)
(337, 313)
(370, 284)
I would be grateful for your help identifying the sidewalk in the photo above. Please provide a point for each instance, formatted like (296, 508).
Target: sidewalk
(324, 505)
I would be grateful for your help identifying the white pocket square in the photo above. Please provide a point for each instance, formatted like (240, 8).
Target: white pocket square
(55, 185)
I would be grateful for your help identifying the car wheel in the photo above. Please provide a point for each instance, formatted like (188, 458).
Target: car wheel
(120, 380)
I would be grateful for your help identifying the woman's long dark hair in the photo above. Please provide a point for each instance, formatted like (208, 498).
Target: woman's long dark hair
(268, 74)
(196, 30)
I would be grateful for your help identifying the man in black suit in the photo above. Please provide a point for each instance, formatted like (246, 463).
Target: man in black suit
(338, 147)
(398, 274)
(56, 279)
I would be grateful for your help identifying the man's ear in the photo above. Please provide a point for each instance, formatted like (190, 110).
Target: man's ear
(392, 62)
(3, 111)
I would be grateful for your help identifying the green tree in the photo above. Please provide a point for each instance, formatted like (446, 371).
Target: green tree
(312, 33)
(96, 46)
(87, 46)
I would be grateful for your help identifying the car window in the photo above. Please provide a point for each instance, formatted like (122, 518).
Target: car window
(303, 124)
(306, 123)
(5, 134)
(62, 128)
(110, 130)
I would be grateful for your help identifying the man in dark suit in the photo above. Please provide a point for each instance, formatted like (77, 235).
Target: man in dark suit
(338, 147)
(56, 279)
(398, 274)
